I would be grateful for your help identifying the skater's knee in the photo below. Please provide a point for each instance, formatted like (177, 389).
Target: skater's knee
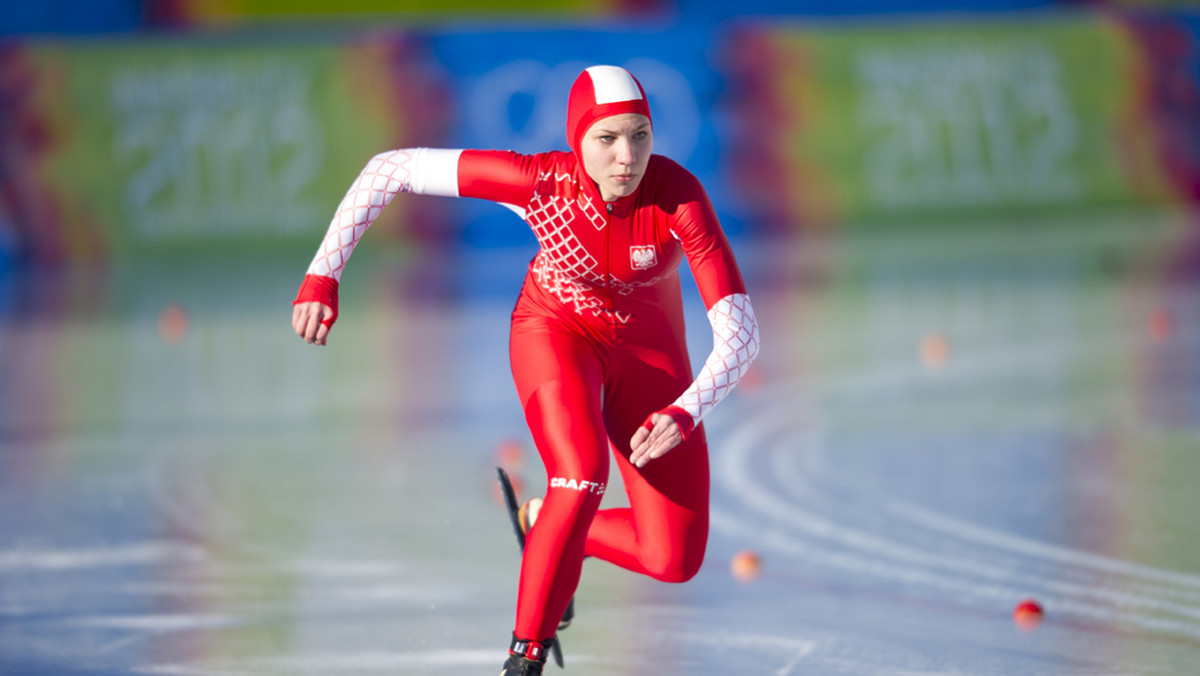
(675, 575)
(572, 502)
(675, 569)
(579, 479)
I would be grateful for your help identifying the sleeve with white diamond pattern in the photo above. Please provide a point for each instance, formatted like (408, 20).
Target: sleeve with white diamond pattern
(425, 171)
(735, 345)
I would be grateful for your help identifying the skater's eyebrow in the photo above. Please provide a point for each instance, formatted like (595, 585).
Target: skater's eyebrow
(613, 132)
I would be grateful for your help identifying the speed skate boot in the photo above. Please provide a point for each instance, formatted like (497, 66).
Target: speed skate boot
(526, 516)
(526, 658)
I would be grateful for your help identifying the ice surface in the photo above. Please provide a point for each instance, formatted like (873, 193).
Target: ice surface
(238, 503)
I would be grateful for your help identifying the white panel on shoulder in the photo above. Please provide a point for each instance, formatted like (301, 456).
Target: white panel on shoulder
(436, 172)
(613, 84)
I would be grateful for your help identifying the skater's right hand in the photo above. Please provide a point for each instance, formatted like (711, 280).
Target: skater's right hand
(308, 319)
(315, 309)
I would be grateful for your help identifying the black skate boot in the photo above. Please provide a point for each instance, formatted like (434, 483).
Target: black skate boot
(526, 658)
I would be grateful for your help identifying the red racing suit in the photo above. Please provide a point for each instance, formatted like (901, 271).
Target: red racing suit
(597, 344)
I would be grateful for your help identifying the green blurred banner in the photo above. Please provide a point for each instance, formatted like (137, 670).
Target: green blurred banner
(152, 145)
(916, 120)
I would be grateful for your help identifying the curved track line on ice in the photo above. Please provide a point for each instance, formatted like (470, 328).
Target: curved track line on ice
(799, 517)
(1000, 553)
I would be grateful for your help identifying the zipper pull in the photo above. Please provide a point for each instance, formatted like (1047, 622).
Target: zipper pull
(608, 205)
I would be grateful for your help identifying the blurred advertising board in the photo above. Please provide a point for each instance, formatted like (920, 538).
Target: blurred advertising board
(143, 145)
(205, 12)
(913, 120)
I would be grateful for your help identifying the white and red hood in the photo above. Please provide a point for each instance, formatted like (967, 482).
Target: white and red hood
(600, 92)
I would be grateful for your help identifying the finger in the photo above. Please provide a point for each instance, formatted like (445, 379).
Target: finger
(665, 444)
(663, 438)
(301, 318)
(651, 449)
(322, 333)
(298, 320)
(312, 323)
(656, 452)
(639, 451)
(639, 439)
(641, 455)
(645, 440)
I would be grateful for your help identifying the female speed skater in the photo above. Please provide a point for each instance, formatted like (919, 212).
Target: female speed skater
(597, 345)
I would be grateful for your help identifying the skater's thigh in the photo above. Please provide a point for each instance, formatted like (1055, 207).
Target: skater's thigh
(668, 505)
(558, 378)
(669, 489)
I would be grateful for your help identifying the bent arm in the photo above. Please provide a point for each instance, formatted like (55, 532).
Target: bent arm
(735, 330)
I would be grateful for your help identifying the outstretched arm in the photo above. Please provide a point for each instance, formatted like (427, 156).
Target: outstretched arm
(418, 170)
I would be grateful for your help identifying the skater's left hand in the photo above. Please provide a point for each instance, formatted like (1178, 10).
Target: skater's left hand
(649, 443)
(661, 432)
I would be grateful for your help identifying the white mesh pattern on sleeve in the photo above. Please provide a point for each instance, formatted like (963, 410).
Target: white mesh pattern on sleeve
(419, 170)
(735, 345)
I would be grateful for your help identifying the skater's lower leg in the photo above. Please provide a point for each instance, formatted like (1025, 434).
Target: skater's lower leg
(553, 561)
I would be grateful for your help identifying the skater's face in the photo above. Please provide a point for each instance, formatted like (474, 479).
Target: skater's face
(615, 152)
